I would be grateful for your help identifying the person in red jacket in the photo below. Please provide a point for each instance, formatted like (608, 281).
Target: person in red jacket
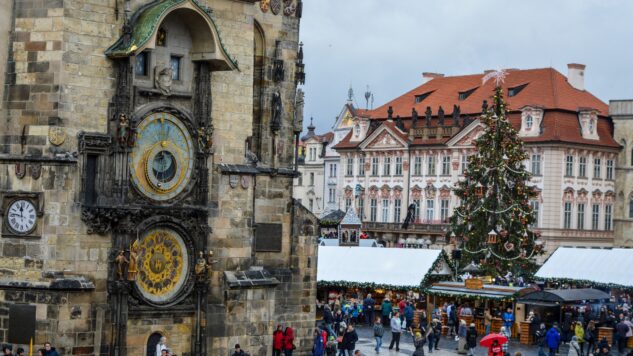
(495, 349)
(278, 341)
(289, 341)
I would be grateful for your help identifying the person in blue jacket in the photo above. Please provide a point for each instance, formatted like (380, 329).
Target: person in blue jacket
(552, 338)
(508, 320)
(318, 347)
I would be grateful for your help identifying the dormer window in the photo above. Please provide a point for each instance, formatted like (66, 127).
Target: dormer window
(531, 118)
(465, 94)
(357, 130)
(516, 90)
(588, 119)
(419, 98)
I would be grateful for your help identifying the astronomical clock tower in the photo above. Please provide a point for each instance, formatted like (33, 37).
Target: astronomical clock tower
(147, 151)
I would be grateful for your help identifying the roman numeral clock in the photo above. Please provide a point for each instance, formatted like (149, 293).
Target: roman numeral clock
(22, 212)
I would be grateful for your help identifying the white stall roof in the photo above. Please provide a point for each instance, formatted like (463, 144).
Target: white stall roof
(386, 267)
(598, 266)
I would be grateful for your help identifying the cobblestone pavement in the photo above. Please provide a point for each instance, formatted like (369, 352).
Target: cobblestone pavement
(448, 346)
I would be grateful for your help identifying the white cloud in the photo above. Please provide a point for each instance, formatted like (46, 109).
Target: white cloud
(388, 44)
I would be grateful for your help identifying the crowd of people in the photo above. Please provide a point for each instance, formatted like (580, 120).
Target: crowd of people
(47, 350)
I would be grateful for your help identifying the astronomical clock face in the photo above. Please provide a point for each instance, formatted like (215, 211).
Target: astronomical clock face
(163, 265)
(161, 163)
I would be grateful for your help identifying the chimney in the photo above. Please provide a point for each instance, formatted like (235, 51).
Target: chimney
(428, 76)
(576, 75)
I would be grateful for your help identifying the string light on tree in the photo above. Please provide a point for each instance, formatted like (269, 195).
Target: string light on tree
(494, 216)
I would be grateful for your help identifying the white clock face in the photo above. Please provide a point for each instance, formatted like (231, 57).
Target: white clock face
(21, 216)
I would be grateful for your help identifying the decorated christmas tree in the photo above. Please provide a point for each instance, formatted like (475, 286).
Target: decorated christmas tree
(492, 222)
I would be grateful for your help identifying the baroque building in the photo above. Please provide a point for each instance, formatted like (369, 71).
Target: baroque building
(147, 151)
(412, 150)
(309, 186)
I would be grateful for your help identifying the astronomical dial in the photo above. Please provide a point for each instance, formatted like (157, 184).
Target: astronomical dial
(21, 217)
(163, 265)
(161, 163)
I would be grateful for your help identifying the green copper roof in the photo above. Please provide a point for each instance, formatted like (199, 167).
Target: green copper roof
(147, 23)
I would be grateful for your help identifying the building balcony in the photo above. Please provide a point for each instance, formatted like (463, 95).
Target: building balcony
(435, 227)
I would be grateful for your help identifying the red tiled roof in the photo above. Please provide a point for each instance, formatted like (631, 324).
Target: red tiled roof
(546, 88)
(326, 137)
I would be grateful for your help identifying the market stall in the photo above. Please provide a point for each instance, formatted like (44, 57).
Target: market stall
(606, 268)
(352, 272)
(349, 228)
(480, 297)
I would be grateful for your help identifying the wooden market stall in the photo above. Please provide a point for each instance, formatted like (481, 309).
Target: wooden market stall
(480, 297)
(401, 273)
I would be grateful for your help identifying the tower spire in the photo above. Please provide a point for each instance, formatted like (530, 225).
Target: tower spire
(350, 94)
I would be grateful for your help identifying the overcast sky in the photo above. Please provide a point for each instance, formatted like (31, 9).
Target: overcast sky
(387, 44)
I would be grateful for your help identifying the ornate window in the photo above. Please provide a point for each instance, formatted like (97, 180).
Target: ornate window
(582, 167)
(372, 210)
(398, 166)
(332, 195)
(175, 64)
(446, 165)
(385, 210)
(417, 209)
(536, 164)
(357, 130)
(608, 218)
(311, 178)
(535, 212)
(444, 210)
(348, 203)
(580, 223)
(610, 169)
(430, 210)
(569, 166)
(464, 163)
(361, 166)
(374, 166)
(597, 167)
(141, 65)
(361, 208)
(397, 205)
(431, 166)
(417, 166)
(350, 167)
(386, 168)
(595, 216)
(567, 215)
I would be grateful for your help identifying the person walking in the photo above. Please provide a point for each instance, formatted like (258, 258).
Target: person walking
(49, 350)
(386, 310)
(579, 332)
(621, 329)
(508, 320)
(317, 344)
(487, 321)
(495, 349)
(553, 339)
(397, 326)
(238, 351)
(590, 336)
(278, 341)
(349, 340)
(540, 339)
(419, 342)
(330, 347)
(504, 331)
(471, 339)
(574, 347)
(379, 331)
(462, 331)
(289, 341)
(368, 308)
(328, 319)
(435, 331)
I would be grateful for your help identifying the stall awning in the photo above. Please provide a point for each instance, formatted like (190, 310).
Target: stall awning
(601, 267)
(391, 268)
(560, 296)
(489, 291)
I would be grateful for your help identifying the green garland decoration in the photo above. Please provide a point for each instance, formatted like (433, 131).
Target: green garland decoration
(587, 282)
(428, 291)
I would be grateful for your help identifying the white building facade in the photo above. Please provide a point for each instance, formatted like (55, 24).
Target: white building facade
(393, 157)
(309, 186)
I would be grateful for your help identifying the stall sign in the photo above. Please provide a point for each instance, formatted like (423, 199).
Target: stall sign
(474, 283)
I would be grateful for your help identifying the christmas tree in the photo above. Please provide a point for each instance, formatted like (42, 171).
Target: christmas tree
(492, 222)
